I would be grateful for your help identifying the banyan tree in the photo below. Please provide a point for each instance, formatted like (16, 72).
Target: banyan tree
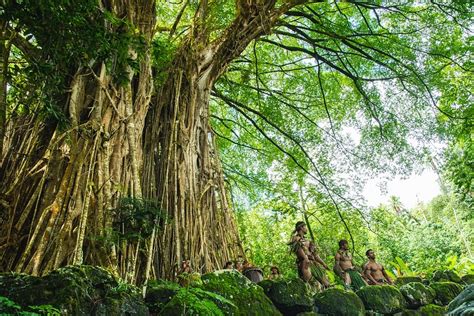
(107, 153)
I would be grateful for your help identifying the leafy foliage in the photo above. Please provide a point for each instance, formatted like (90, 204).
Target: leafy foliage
(135, 218)
(9, 307)
(83, 37)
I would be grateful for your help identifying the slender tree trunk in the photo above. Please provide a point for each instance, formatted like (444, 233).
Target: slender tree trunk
(4, 55)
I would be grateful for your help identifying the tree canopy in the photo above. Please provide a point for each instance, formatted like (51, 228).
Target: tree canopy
(289, 103)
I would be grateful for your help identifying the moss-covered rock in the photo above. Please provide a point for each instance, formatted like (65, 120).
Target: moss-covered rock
(445, 276)
(338, 302)
(445, 291)
(76, 290)
(468, 279)
(246, 295)
(159, 293)
(432, 310)
(407, 279)
(463, 304)
(383, 299)
(409, 312)
(290, 296)
(417, 294)
(427, 310)
(190, 279)
(193, 301)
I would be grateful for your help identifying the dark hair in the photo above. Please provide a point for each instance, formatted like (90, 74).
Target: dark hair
(298, 225)
(275, 267)
(228, 263)
(342, 242)
(367, 252)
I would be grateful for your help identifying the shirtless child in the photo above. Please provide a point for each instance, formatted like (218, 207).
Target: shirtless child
(375, 272)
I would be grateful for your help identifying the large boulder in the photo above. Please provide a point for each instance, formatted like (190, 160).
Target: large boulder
(417, 294)
(432, 310)
(159, 293)
(290, 296)
(463, 304)
(246, 295)
(75, 290)
(406, 279)
(195, 301)
(445, 276)
(468, 279)
(445, 291)
(383, 299)
(338, 302)
(427, 310)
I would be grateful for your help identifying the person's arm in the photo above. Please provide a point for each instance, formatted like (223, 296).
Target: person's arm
(301, 254)
(318, 259)
(386, 276)
(368, 275)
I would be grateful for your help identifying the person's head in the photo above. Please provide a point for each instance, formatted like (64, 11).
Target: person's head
(343, 244)
(370, 254)
(229, 265)
(301, 227)
(274, 270)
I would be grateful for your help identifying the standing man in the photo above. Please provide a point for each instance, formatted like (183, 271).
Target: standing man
(344, 267)
(375, 272)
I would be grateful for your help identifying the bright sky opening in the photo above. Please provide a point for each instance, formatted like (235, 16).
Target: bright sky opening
(411, 191)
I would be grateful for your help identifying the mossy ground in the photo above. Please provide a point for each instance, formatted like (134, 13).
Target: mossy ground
(290, 296)
(384, 299)
(445, 276)
(336, 301)
(75, 290)
(417, 294)
(159, 293)
(247, 296)
(406, 279)
(195, 301)
(445, 291)
(468, 279)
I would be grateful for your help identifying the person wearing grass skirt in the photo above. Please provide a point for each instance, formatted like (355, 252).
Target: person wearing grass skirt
(310, 265)
(345, 269)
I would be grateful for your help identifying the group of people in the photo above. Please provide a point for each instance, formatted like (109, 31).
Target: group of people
(311, 267)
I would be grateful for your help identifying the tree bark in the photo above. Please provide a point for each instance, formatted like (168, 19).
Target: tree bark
(59, 186)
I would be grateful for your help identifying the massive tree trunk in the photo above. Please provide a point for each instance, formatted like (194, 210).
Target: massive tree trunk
(58, 187)
(180, 153)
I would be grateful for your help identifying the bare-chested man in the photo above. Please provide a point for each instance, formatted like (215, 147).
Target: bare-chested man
(344, 267)
(308, 261)
(375, 272)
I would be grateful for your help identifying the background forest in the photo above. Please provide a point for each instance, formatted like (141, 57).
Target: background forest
(430, 237)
